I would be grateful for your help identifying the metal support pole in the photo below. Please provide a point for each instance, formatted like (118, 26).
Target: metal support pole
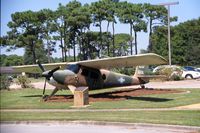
(169, 43)
(168, 17)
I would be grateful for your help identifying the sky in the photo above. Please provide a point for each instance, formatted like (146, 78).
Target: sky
(185, 10)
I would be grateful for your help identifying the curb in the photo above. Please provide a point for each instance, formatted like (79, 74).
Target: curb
(96, 110)
(104, 123)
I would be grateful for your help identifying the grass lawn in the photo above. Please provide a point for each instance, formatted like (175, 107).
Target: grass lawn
(190, 118)
(31, 99)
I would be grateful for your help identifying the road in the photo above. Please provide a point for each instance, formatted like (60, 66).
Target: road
(58, 127)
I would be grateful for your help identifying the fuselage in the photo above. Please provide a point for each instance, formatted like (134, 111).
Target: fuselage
(93, 78)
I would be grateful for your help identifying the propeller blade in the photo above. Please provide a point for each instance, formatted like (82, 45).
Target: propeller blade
(44, 87)
(53, 70)
(40, 65)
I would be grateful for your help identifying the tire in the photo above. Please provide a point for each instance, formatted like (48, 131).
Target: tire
(188, 76)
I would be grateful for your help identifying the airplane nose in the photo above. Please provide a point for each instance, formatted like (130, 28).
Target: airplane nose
(60, 75)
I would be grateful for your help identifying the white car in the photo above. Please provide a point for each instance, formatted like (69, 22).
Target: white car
(190, 74)
(158, 68)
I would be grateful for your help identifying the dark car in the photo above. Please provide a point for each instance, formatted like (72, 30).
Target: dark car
(190, 68)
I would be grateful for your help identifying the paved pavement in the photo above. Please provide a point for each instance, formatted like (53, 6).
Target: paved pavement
(97, 110)
(164, 85)
(93, 128)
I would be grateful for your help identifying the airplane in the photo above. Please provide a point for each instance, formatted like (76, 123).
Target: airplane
(94, 74)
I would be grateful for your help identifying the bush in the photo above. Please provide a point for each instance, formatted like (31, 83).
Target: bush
(24, 81)
(171, 73)
(124, 70)
(5, 82)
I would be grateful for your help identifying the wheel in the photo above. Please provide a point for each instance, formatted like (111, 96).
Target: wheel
(188, 76)
(142, 86)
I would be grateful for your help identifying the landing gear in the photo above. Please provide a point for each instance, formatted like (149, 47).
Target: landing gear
(45, 98)
(142, 86)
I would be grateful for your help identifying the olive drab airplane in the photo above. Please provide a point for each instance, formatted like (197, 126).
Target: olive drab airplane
(94, 74)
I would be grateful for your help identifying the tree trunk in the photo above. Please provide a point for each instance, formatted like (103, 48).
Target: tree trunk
(65, 43)
(108, 25)
(48, 51)
(108, 40)
(62, 47)
(150, 34)
(101, 42)
(113, 38)
(136, 43)
(131, 29)
(74, 49)
(33, 52)
(34, 56)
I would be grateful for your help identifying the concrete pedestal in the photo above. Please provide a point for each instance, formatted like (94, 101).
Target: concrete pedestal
(81, 97)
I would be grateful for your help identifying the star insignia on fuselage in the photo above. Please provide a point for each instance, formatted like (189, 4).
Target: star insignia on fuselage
(121, 80)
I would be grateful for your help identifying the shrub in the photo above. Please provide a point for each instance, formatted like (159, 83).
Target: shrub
(24, 81)
(5, 82)
(171, 73)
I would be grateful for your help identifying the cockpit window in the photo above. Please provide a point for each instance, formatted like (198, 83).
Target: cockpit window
(85, 72)
(73, 67)
(94, 75)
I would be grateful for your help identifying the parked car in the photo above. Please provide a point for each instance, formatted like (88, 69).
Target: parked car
(158, 68)
(190, 68)
(186, 72)
(190, 72)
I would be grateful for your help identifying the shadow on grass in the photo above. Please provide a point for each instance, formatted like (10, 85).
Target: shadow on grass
(106, 97)
(126, 97)
(152, 99)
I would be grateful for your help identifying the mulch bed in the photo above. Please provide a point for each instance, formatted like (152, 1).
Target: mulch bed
(117, 95)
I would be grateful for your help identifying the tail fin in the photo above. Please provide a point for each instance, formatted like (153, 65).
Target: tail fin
(145, 74)
(140, 73)
(140, 70)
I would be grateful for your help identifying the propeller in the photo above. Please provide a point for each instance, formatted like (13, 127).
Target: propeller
(40, 65)
(44, 87)
(47, 74)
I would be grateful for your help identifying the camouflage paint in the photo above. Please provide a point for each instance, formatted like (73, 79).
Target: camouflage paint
(94, 78)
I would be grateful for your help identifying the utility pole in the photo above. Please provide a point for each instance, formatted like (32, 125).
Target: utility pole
(168, 12)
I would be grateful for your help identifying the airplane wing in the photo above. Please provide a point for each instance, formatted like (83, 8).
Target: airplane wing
(112, 62)
(31, 68)
(125, 61)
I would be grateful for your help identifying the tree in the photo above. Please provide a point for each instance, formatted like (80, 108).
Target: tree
(39, 52)
(185, 42)
(98, 11)
(11, 60)
(61, 27)
(110, 9)
(122, 44)
(139, 24)
(92, 41)
(132, 14)
(79, 20)
(25, 30)
(47, 28)
(156, 15)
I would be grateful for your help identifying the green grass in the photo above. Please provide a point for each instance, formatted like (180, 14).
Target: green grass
(190, 118)
(31, 99)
